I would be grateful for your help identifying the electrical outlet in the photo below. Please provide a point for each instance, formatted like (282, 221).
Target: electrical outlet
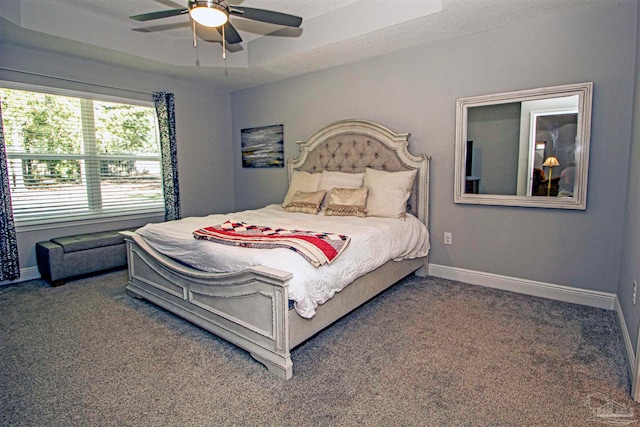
(448, 238)
(635, 291)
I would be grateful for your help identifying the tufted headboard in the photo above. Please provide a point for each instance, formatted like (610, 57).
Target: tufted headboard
(353, 145)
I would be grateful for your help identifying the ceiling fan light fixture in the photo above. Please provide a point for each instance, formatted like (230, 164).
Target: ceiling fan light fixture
(208, 13)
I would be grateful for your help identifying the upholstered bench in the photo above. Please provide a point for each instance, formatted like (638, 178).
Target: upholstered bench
(64, 257)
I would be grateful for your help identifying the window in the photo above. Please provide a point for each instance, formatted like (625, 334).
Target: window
(72, 158)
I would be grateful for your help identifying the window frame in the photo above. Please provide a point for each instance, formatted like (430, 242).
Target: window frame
(48, 223)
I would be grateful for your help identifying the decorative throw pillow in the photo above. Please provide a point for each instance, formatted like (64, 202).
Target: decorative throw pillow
(388, 192)
(347, 202)
(306, 202)
(301, 181)
(330, 180)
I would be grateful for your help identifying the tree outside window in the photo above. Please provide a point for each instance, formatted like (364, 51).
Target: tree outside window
(73, 157)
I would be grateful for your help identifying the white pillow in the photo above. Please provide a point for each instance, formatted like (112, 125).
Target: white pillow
(301, 181)
(388, 192)
(330, 180)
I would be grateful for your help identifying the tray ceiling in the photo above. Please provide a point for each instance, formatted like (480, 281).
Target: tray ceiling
(333, 32)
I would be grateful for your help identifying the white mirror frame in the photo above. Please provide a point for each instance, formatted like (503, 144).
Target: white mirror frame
(584, 92)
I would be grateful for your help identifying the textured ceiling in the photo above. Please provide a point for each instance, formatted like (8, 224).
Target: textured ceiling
(333, 32)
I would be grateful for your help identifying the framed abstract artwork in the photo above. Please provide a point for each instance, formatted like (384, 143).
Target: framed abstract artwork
(263, 147)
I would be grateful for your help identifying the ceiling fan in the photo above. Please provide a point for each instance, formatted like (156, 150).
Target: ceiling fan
(215, 13)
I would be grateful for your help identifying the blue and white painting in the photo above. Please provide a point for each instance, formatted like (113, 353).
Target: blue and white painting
(263, 147)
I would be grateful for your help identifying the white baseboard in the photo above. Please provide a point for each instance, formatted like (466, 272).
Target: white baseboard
(631, 358)
(523, 286)
(28, 273)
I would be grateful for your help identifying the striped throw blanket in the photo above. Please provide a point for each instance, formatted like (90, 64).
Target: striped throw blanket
(316, 247)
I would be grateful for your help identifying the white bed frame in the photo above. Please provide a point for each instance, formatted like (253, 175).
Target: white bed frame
(249, 308)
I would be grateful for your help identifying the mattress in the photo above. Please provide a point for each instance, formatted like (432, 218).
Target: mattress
(374, 241)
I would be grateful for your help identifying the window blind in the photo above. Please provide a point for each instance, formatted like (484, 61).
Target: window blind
(79, 158)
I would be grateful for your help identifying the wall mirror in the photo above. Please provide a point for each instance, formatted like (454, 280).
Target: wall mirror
(524, 148)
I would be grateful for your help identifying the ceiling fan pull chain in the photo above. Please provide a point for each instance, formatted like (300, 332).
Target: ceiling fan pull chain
(224, 46)
(195, 41)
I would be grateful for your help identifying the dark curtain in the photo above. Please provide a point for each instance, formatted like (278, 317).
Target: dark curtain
(8, 242)
(169, 152)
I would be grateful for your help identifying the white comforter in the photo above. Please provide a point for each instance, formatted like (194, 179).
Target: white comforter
(374, 241)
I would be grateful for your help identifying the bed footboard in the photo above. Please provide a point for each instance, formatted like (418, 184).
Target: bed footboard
(247, 308)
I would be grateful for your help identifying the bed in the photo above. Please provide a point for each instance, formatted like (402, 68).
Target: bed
(258, 305)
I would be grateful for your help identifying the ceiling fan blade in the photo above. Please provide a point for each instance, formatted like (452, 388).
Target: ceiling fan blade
(266, 16)
(158, 15)
(230, 33)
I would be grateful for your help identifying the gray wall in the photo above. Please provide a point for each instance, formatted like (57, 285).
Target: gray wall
(495, 132)
(204, 151)
(630, 259)
(415, 91)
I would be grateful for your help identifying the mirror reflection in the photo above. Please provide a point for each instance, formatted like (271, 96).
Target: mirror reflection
(527, 148)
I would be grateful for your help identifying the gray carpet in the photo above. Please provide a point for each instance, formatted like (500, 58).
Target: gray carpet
(428, 352)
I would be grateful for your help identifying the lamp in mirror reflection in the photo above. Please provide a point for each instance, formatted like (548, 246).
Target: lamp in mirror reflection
(550, 162)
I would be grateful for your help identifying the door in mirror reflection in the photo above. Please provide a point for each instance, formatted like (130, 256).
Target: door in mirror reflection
(554, 137)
